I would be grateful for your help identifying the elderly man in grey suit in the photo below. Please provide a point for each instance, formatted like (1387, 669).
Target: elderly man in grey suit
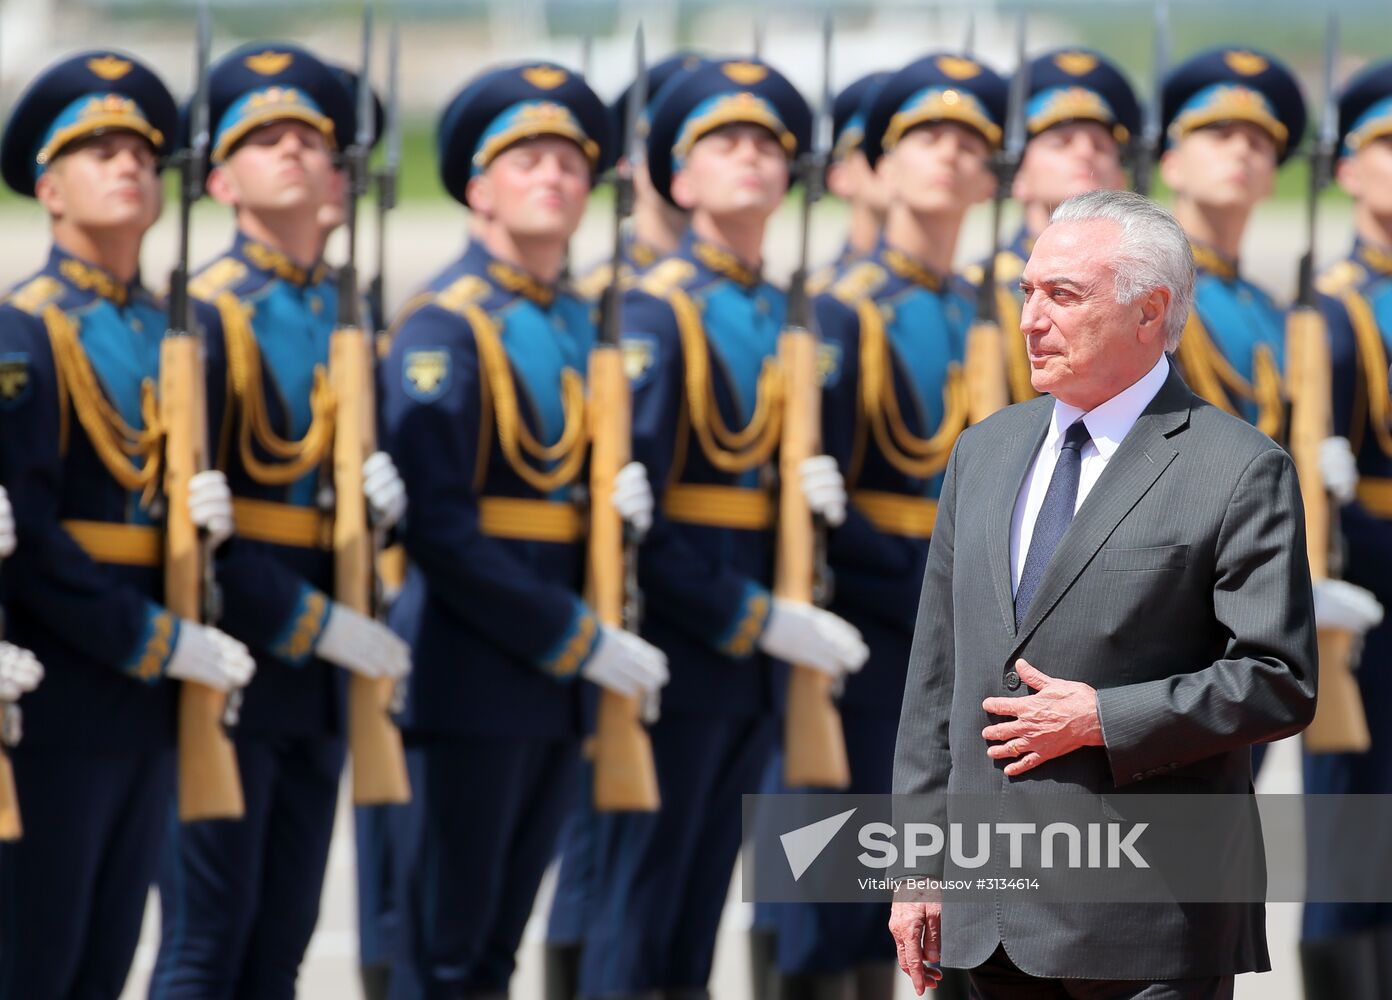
(1117, 597)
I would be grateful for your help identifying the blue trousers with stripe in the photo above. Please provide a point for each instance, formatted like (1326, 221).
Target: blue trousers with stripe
(469, 854)
(73, 889)
(239, 898)
(661, 878)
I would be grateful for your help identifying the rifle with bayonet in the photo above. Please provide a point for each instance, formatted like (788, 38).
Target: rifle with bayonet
(1146, 147)
(814, 744)
(210, 785)
(1340, 724)
(385, 179)
(625, 776)
(988, 384)
(374, 742)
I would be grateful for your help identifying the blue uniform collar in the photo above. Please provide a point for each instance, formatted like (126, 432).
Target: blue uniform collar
(1376, 259)
(718, 261)
(638, 253)
(1208, 259)
(507, 278)
(270, 261)
(899, 263)
(86, 277)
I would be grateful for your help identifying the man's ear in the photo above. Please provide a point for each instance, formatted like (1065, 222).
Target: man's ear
(1170, 171)
(839, 181)
(682, 192)
(48, 189)
(478, 194)
(1155, 306)
(1348, 176)
(222, 186)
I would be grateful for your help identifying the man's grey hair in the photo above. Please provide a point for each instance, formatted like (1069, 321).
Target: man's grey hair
(1153, 251)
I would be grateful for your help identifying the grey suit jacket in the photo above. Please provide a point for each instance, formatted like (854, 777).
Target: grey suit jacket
(1181, 591)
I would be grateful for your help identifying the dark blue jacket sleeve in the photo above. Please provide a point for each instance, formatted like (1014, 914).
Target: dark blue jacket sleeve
(50, 576)
(685, 585)
(434, 437)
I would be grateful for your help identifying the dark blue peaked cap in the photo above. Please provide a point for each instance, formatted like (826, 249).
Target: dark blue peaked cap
(660, 75)
(939, 87)
(723, 92)
(1068, 85)
(501, 107)
(265, 82)
(1235, 84)
(848, 112)
(84, 95)
(1365, 108)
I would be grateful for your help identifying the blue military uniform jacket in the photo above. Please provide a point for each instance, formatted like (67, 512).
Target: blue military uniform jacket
(635, 257)
(1010, 264)
(79, 366)
(700, 340)
(1233, 349)
(1357, 306)
(484, 415)
(267, 323)
(894, 340)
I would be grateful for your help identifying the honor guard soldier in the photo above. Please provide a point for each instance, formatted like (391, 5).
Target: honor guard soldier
(851, 178)
(81, 454)
(1080, 117)
(656, 227)
(700, 333)
(1232, 116)
(240, 899)
(1346, 948)
(484, 411)
(894, 330)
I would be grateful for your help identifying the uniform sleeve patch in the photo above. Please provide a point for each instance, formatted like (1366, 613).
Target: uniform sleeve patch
(14, 379)
(639, 357)
(425, 373)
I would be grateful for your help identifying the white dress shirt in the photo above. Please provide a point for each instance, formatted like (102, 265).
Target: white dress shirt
(1108, 424)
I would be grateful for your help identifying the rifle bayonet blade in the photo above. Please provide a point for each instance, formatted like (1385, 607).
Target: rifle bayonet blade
(637, 100)
(366, 120)
(824, 125)
(1329, 114)
(969, 41)
(392, 155)
(198, 114)
(1019, 88)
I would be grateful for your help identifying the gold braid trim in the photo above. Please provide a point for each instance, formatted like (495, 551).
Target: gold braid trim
(1372, 356)
(116, 443)
(1213, 378)
(727, 450)
(513, 436)
(292, 459)
(914, 456)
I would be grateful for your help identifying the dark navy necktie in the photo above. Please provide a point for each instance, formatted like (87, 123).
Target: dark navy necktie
(1055, 515)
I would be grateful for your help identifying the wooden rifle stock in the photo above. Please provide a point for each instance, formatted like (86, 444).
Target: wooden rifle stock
(988, 387)
(210, 786)
(374, 742)
(625, 777)
(1340, 724)
(11, 828)
(814, 746)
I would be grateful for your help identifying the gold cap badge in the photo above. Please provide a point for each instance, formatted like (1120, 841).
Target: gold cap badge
(269, 63)
(1076, 63)
(958, 68)
(745, 73)
(545, 77)
(1246, 63)
(109, 67)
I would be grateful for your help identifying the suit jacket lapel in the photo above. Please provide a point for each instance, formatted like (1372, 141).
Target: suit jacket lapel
(1012, 468)
(1140, 460)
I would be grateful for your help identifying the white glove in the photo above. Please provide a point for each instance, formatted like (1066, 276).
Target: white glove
(210, 505)
(1338, 468)
(810, 637)
(625, 663)
(1341, 605)
(209, 656)
(20, 672)
(386, 493)
(633, 497)
(824, 488)
(358, 643)
(7, 526)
